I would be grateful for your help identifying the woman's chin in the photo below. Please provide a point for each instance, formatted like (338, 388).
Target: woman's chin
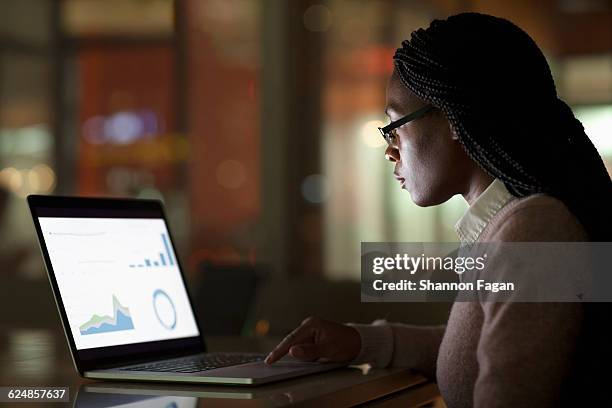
(422, 199)
(416, 198)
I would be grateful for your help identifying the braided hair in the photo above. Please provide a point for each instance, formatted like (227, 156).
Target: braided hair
(495, 87)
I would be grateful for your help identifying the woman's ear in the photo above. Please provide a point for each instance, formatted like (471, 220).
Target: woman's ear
(454, 134)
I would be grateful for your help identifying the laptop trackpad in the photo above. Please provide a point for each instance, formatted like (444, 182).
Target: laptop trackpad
(263, 370)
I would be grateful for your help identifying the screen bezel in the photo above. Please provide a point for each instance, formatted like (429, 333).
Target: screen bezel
(105, 357)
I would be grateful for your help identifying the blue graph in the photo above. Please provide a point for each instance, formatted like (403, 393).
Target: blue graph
(120, 320)
(165, 256)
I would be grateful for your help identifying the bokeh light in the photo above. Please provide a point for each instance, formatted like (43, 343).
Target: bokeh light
(151, 193)
(597, 122)
(121, 128)
(40, 179)
(315, 188)
(11, 178)
(371, 135)
(231, 174)
(317, 18)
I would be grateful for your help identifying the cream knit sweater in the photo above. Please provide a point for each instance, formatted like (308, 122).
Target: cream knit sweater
(498, 354)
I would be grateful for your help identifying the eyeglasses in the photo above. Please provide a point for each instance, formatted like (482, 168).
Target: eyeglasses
(388, 132)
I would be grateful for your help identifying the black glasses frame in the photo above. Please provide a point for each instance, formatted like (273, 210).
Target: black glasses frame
(388, 132)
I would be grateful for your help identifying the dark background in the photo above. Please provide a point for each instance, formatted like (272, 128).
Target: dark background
(255, 122)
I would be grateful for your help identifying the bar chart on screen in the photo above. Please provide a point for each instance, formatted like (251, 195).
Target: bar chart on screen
(164, 258)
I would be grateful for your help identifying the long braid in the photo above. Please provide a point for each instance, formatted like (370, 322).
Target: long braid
(495, 87)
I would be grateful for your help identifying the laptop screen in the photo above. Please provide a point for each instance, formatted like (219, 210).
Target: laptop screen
(118, 279)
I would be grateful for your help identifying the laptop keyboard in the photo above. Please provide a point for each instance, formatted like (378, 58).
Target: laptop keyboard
(197, 363)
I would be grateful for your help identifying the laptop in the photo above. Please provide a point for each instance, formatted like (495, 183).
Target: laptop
(122, 298)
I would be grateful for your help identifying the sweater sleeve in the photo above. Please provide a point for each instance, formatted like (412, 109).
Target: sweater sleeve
(386, 344)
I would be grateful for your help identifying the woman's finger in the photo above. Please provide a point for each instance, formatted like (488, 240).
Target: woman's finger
(299, 335)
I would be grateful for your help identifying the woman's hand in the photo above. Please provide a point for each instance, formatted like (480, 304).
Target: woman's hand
(319, 339)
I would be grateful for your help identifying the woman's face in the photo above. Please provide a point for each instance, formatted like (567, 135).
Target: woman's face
(429, 160)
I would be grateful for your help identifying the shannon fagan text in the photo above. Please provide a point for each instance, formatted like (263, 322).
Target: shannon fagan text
(427, 285)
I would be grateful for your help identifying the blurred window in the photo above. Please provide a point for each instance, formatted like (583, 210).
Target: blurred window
(25, 23)
(118, 17)
(365, 202)
(26, 141)
(597, 122)
(586, 79)
(128, 101)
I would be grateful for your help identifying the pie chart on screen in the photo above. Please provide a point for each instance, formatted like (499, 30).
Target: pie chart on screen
(164, 309)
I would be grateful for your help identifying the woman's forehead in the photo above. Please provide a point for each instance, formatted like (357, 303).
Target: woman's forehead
(399, 97)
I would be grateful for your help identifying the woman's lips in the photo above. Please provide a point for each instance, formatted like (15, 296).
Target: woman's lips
(401, 180)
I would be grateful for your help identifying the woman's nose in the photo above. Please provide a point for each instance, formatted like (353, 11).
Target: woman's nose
(392, 154)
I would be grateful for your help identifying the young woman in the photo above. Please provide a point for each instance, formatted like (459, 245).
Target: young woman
(475, 112)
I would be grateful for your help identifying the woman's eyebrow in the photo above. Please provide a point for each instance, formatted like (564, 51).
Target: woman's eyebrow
(393, 108)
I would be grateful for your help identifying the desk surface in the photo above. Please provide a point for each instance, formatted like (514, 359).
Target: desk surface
(40, 358)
